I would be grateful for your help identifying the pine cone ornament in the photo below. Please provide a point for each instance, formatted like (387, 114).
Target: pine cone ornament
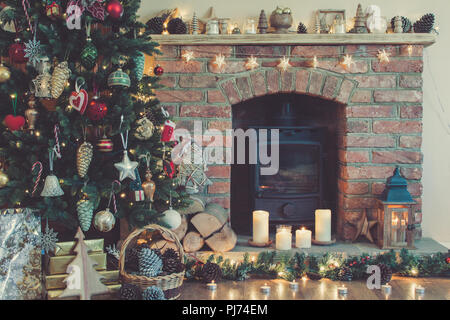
(386, 273)
(84, 158)
(171, 254)
(176, 26)
(406, 24)
(302, 28)
(59, 79)
(150, 265)
(138, 70)
(153, 293)
(155, 25)
(345, 274)
(85, 210)
(211, 271)
(130, 292)
(172, 265)
(425, 24)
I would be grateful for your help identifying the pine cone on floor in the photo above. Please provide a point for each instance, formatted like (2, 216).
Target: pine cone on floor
(406, 24)
(424, 24)
(153, 293)
(172, 265)
(176, 26)
(130, 292)
(211, 271)
(155, 25)
(386, 273)
(302, 28)
(150, 265)
(345, 274)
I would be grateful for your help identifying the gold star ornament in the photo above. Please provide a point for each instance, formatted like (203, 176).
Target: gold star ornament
(251, 63)
(383, 56)
(284, 64)
(188, 56)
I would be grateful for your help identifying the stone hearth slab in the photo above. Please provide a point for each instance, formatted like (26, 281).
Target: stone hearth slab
(424, 246)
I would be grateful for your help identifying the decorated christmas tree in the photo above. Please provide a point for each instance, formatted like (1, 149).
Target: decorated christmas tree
(90, 117)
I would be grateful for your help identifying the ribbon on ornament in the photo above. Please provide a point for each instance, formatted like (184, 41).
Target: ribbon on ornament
(26, 6)
(14, 103)
(36, 164)
(112, 196)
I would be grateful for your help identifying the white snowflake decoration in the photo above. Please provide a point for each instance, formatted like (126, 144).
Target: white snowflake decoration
(251, 63)
(284, 64)
(33, 51)
(48, 240)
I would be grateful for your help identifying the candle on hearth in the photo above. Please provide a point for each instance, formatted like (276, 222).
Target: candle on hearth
(260, 226)
(265, 289)
(303, 238)
(323, 225)
(284, 238)
(387, 289)
(212, 285)
(420, 289)
(342, 290)
(293, 285)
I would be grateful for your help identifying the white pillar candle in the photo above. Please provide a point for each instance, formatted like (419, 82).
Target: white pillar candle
(260, 227)
(303, 238)
(387, 289)
(212, 286)
(342, 290)
(265, 289)
(323, 225)
(420, 289)
(284, 239)
(293, 285)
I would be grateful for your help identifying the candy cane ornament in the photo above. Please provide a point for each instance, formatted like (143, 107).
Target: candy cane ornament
(38, 179)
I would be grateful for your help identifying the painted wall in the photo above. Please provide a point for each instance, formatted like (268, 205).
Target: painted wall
(436, 144)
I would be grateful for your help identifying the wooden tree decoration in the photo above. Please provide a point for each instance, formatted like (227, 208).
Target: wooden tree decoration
(317, 23)
(360, 22)
(83, 280)
(262, 23)
(194, 24)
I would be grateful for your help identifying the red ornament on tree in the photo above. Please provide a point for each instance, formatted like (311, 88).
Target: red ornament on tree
(168, 131)
(17, 52)
(14, 123)
(447, 260)
(115, 9)
(96, 109)
(159, 71)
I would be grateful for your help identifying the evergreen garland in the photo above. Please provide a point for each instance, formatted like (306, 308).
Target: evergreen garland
(272, 265)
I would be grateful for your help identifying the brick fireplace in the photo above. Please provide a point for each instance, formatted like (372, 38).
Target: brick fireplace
(379, 122)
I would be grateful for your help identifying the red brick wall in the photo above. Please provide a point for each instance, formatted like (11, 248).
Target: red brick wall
(381, 127)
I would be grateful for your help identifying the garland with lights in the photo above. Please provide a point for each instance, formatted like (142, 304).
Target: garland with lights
(269, 264)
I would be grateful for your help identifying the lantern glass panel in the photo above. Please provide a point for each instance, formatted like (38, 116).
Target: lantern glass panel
(399, 218)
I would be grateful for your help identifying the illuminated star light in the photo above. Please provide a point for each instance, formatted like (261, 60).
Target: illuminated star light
(383, 56)
(347, 62)
(219, 61)
(315, 62)
(251, 63)
(284, 64)
(188, 56)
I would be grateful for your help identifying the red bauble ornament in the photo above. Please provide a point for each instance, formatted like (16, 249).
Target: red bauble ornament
(96, 109)
(447, 260)
(115, 9)
(17, 52)
(159, 71)
(14, 123)
(105, 145)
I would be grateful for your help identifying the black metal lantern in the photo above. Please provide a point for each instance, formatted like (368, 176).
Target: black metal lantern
(395, 215)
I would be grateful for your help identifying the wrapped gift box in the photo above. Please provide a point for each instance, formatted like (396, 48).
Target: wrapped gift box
(20, 255)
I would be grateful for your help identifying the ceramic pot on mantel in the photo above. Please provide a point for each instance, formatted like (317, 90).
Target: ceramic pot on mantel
(281, 22)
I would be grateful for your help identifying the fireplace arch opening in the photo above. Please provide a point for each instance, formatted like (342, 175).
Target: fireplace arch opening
(309, 130)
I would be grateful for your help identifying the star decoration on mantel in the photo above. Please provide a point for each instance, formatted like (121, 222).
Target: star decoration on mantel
(251, 63)
(284, 64)
(188, 56)
(347, 62)
(219, 61)
(363, 228)
(126, 167)
(383, 56)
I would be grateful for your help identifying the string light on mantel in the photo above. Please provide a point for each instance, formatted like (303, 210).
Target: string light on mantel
(219, 61)
(188, 56)
(251, 63)
(409, 49)
(314, 62)
(383, 56)
(347, 62)
(284, 64)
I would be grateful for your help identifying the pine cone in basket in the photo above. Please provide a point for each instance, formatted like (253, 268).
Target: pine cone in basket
(130, 292)
(131, 259)
(386, 273)
(345, 274)
(171, 254)
(211, 271)
(153, 293)
(150, 264)
(171, 265)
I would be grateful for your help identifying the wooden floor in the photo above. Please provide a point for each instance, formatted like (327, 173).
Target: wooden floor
(402, 289)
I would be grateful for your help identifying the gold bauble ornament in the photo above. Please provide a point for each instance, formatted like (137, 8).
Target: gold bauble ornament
(104, 221)
(145, 129)
(3, 179)
(5, 73)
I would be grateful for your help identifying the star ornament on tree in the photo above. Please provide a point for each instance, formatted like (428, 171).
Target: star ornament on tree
(251, 63)
(219, 61)
(347, 62)
(126, 167)
(383, 56)
(284, 64)
(188, 56)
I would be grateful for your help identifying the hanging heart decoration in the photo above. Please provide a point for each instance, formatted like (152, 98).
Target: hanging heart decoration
(79, 98)
(14, 123)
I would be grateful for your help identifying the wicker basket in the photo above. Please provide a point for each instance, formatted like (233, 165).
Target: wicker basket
(170, 284)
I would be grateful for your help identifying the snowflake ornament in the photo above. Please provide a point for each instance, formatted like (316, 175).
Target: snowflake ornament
(383, 56)
(33, 51)
(48, 240)
(219, 61)
(251, 63)
(284, 64)
(347, 62)
(113, 251)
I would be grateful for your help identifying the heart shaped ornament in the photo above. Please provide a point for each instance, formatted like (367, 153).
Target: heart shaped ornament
(79, 100)
(14, 123)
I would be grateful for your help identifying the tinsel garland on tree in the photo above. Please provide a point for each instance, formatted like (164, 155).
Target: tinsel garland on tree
(332, 266)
